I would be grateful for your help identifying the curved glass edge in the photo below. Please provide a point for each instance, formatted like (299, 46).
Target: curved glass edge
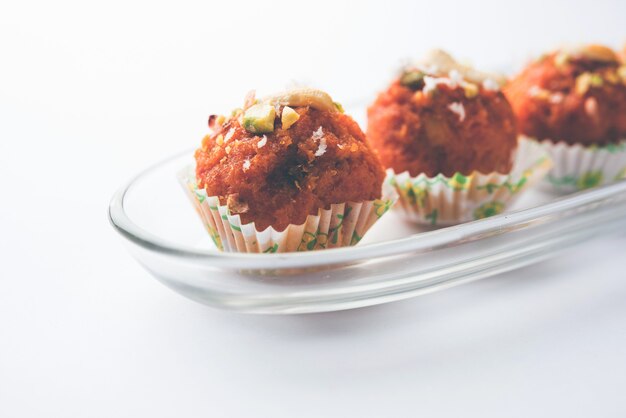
(459, 265)
(417, 243)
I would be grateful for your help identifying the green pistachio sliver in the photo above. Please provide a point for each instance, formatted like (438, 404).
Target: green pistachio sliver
(259, 119)
(596, 80)
(412, 79)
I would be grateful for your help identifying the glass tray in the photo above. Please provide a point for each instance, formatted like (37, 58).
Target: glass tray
(394, 261)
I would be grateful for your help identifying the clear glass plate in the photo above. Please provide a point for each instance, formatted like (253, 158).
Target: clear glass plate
(395, 260)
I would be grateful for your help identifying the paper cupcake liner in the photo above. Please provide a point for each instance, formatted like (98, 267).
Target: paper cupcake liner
(577, 167)
(342, 225)
(442, 200)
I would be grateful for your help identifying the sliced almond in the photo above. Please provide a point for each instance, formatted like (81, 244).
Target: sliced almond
(595, 52)
(317, 99)
(444, 63)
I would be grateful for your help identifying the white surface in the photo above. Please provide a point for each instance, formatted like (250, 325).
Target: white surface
(91, 93)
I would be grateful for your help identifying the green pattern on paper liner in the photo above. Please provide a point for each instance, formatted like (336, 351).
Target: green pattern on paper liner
(432, 216)
(416, 195)
(232, 226)
(423, 183)
(199, 193)
(585, 181)
(621, 175)
(589, 180)
(381, 207)
(200, 196)
(334, 232)
(611, 148)
(511, 187)
(356, 238)
(272, 249)
(312, 241)
(488, 209)
(215, 237)
(459, 182)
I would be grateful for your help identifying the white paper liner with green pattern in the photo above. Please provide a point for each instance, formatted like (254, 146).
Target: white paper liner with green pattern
(342, 225)
(577, 167)
(442, 200)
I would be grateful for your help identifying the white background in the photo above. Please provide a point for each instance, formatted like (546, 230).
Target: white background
(90, 93)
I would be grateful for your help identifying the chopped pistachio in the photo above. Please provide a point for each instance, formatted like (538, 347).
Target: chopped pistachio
(289, 117)
(412, 79)
(259, 118)
(596, 80)
(339, 107)
(587, 80)
(471, 90)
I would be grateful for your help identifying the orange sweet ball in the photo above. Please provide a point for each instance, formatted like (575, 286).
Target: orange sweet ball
(576, 96)
(280, 177)
(434, 120)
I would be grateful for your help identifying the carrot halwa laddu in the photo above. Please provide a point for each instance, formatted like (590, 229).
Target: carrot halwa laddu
(441, 117)
(573, 95)
(285, 157)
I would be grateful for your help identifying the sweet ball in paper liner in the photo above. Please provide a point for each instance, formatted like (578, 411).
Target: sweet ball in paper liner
(573, 101)
(448, 137)
(290, 172)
